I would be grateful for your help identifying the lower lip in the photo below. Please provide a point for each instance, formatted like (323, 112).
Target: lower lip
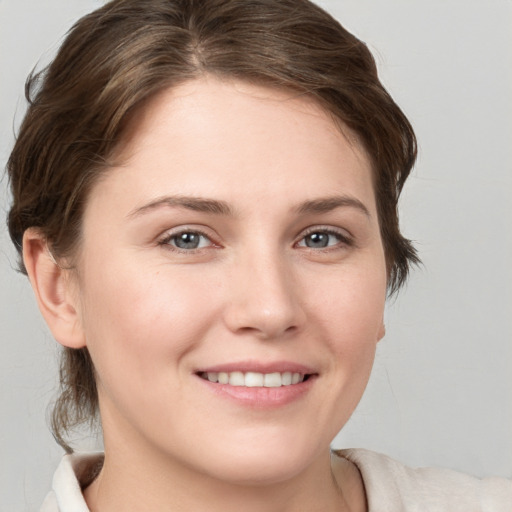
(261, 397)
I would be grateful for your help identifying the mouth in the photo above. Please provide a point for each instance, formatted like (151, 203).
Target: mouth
(255, 379)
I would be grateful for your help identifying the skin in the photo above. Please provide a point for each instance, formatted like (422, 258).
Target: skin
(152, 314)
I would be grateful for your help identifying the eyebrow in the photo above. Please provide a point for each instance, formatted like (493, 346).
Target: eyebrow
(327, 204)
(217, 207)
(197, 204)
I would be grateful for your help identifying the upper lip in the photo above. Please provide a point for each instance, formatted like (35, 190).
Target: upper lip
(259, 367)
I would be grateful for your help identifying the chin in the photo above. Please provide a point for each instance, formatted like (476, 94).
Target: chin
(261, 462)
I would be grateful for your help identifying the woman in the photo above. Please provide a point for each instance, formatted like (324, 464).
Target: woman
(205, 201)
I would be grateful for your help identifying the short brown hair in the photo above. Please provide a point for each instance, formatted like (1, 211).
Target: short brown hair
(124, 53)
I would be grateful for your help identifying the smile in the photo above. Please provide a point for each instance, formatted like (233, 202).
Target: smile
(255, 379)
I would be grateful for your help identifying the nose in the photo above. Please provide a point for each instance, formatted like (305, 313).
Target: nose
(264, 298)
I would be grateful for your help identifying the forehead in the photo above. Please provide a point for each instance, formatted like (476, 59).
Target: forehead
(233, 138)
(232, 102)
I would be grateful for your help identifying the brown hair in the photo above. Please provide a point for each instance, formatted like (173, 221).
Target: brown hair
(123, 54)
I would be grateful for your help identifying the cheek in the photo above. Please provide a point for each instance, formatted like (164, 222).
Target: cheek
(352, 302)
(350, 313)
(345, 311)
(136, 320)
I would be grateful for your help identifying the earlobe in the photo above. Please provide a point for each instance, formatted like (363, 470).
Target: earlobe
(382, 331)
(52, 288)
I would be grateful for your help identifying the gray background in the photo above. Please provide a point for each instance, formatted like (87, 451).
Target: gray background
(441, 391)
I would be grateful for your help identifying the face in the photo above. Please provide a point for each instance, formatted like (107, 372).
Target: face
(231, 282)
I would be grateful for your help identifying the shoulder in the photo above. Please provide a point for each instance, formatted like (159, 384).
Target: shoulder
(74, 473)
(391, 486)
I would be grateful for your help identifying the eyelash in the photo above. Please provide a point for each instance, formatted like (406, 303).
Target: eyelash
(344, 240)
(169, 237)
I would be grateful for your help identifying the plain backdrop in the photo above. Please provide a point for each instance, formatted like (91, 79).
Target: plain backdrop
(441, 390)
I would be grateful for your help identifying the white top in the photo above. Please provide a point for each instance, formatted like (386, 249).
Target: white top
(390, 486)
(393, 487)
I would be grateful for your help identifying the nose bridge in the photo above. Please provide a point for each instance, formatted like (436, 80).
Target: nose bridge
(263, 293)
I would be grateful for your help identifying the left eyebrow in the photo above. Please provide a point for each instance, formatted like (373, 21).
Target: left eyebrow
(327, 204)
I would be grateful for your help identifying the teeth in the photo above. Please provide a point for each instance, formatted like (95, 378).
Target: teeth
(236, 379)
(272, 380)
(254, 379)
(286, 378)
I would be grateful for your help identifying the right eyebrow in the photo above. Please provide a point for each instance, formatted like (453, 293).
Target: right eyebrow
(197, 204)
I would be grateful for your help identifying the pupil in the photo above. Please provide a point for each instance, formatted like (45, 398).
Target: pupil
(317, 240)
(187, 241)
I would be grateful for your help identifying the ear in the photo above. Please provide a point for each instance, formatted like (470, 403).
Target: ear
(382, 331)
(52, 287)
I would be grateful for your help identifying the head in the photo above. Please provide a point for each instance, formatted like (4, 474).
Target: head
(118, 60)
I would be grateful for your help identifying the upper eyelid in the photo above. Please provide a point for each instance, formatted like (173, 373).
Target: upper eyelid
(344, 233)
(171, 233)
(186, 229)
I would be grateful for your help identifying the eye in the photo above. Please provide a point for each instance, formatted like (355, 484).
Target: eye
(187, 240)
(323, 238)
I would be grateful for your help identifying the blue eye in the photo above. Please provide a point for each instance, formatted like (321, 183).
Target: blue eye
(188, 240)
(322, 239)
